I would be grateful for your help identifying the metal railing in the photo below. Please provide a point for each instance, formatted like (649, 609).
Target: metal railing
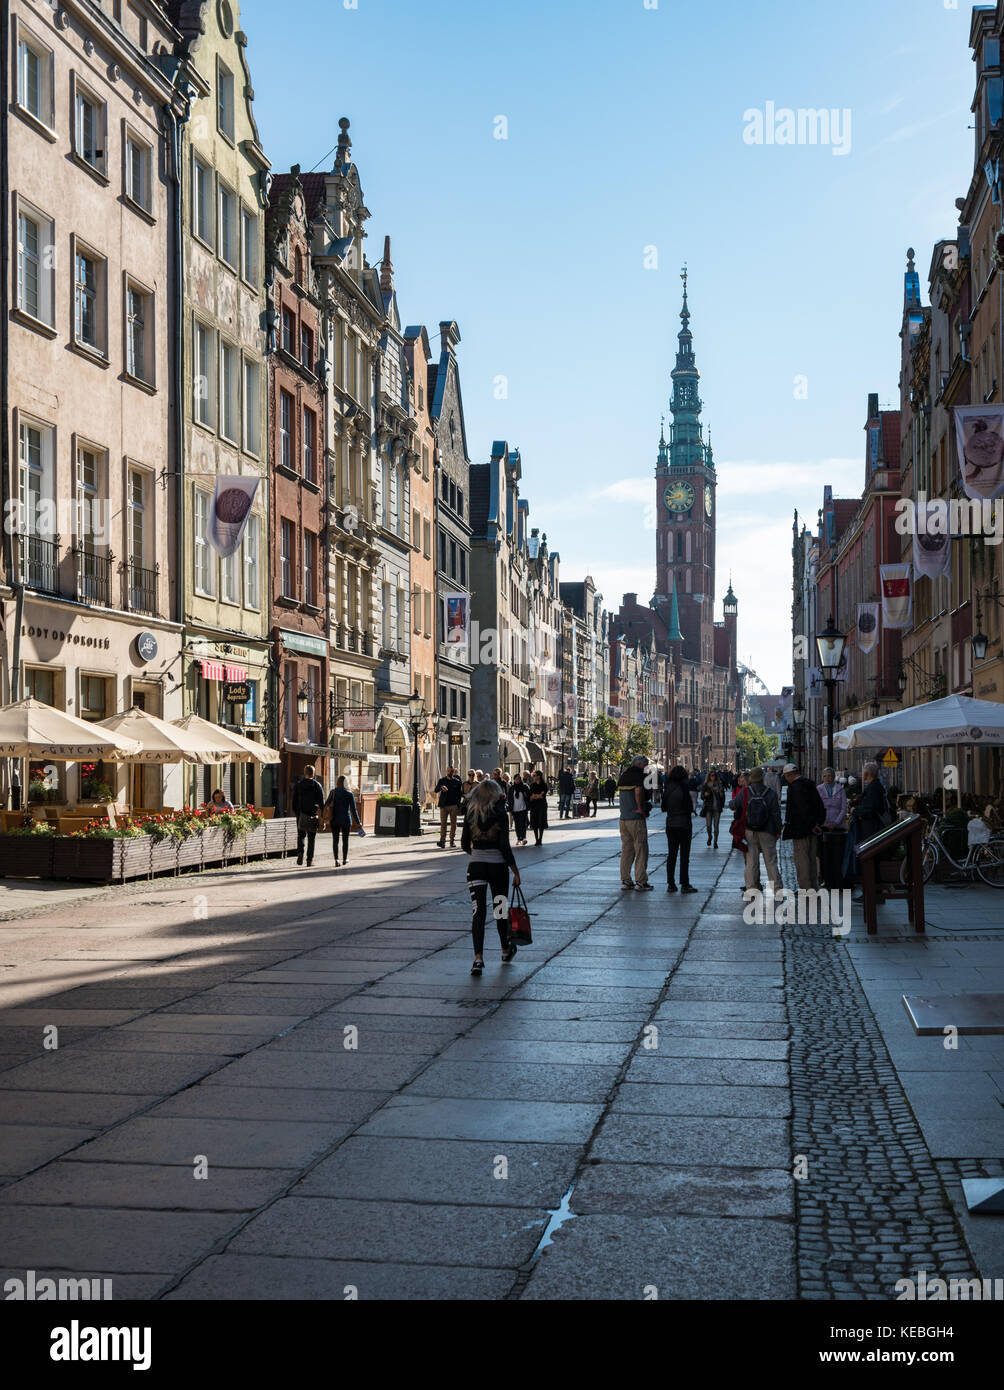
(141, 588)
(39, 563)
(93, 577)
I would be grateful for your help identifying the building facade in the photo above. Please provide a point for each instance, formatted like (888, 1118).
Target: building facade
(297, 480)
(88, 323)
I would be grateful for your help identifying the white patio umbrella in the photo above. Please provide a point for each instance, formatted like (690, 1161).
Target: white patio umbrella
(31, 729)
(235, 747)
(941, 723)
(160, 742)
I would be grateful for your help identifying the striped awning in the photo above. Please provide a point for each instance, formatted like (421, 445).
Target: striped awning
(221, 671)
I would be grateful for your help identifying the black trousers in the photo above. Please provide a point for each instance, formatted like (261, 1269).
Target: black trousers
(521, 818)
(678, 838)
(310, 836)
(486, 883)
(342, 830)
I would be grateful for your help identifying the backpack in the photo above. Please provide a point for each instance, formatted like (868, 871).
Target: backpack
(757, 815)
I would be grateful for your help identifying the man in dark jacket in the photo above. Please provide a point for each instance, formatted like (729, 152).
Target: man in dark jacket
(804, 818)
(566, 790)
(308, 798)
(451, 792)
(679, 810)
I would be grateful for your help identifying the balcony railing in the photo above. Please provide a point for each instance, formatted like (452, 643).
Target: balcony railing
(141, 588)
(94, 577)
(39, 563)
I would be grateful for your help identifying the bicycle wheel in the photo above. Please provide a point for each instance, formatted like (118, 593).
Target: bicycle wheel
(928, 861)
(990, 863)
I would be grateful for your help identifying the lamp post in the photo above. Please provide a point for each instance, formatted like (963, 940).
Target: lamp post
(417, 719)
(830, 645)
(798, 718)
(302, 701)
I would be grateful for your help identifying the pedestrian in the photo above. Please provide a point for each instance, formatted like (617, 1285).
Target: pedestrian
(772, 780)
(593, 795)
(538, 807)
(485, 840)
(834, 800)
(520, 808)
(804, 819)
(870, 815)
(712, 804)
(635, 804)
(219, 801)
(341, 815)
(451, 792)
(762, 815)
(307, 800)
(695, 786)
(610, 790)
(469, 784)
(566, 790)
(679, 810)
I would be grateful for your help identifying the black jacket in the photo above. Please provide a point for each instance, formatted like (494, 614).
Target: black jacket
(870, 809)
(308, 797)
(451, 791)
(678, 805)
(343, 807)
(804, 810)
(566, 783)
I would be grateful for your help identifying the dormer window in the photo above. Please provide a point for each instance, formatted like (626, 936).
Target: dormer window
(991, 53)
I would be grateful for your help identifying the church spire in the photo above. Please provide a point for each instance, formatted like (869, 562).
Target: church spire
(674, 635)
(686, 447)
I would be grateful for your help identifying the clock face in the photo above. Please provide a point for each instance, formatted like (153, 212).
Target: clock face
(679, 496)
(708, 499)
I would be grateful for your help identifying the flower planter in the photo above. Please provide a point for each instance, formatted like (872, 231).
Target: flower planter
(213, 845)
(163, 855)
(190, 852)
(101, 861)
(255, 842)
(26, 856)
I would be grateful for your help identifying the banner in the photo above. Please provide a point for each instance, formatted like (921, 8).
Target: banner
(553, 688)
(228, 519)
(868, 622)
(932, 553)
(814, 683)
(979, 434)
(458, 619)
(570, 704)
(897, 595)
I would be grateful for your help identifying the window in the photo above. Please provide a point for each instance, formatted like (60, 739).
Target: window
(35, 238)
(203, 551)
(229, 584)
(288, 331)
(89, 129)
(36, 495)
(286, 546)
(308, 444)
(416, 608)
(307, 347)
(228, 391)
(90, 530)
(428, 613)
(202, 201)
(416, 529)
(252, 552)
(252, 424)
(309, 567)
(204, 381)
(93, 697)
(249, 246)
(142, 595)
(460, 502)
(228, 226)
(34, 78)
(285, 429)
(88, 281)
(139, 362)
(426, 538)
(298, 268)
(442, 699)
(138, 165)
(225, 100)
(313, 703)
(385, 615)
(463, 566)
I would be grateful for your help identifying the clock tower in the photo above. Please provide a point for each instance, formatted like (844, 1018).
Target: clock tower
(686, 507)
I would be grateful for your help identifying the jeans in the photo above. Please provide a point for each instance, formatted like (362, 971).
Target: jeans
(678, 839)
(564, 805)
(342, 830)
(711, 819)
(486, 883)
(310, 836)
(634, 850)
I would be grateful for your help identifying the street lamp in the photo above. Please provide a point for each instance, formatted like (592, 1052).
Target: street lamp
(830, 645)
(417, 719)
(302, 700)
(901, 680)
(798, 718)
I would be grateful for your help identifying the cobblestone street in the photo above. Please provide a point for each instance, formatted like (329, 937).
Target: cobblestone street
(278, 1084)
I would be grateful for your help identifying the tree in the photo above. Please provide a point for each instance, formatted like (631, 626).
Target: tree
(603, 745)
(639, 740)
(753, 745)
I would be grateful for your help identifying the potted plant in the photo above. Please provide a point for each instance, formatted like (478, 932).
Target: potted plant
(393, 814)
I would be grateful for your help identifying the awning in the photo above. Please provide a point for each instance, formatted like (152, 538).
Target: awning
(221, 671)
(359, 755)
(535, 751)
(396, 733)
(513, 752)
(309, 750)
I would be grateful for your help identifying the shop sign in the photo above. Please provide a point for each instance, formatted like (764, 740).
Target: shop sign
(237, 692)
(146, 646)
(69, 639)
(356, 721)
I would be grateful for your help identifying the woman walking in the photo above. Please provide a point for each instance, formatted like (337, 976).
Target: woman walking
(341, 814)
(485, 838)
(538, 807)
(520, 806)
(679, 810)
(712, 802)
(593, 795)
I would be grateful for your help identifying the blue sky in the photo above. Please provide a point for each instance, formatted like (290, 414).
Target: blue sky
(625, 132)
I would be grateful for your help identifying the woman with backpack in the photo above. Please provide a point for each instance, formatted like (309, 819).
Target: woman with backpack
(485, 839)
(679, 811)
(712, 804)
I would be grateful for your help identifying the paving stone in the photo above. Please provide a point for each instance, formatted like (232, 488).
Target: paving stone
(337, 1070)
(688, 1140)
(298, 1103)
(660, 1099)
(110, 1072)
(515, 1081)
(513, 1120)
(27, 1146)
(707, 1071)
(72, 1108)
(148, 1186)
(261, 1277)
(321, 1227)
(482, 1045)
(671, 1044)
(228, 1143)
(84, 1240)
(652, 1189)
(177, 1044)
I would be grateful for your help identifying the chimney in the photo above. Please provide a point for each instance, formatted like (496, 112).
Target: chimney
(386, 269)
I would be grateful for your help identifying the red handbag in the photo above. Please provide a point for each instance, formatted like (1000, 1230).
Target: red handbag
(519, 919)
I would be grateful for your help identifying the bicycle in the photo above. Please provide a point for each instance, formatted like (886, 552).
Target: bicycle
(986, 860)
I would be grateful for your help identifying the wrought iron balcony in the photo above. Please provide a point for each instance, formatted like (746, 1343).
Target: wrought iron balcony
(141, 588)
(93, 577)
(39, 563)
